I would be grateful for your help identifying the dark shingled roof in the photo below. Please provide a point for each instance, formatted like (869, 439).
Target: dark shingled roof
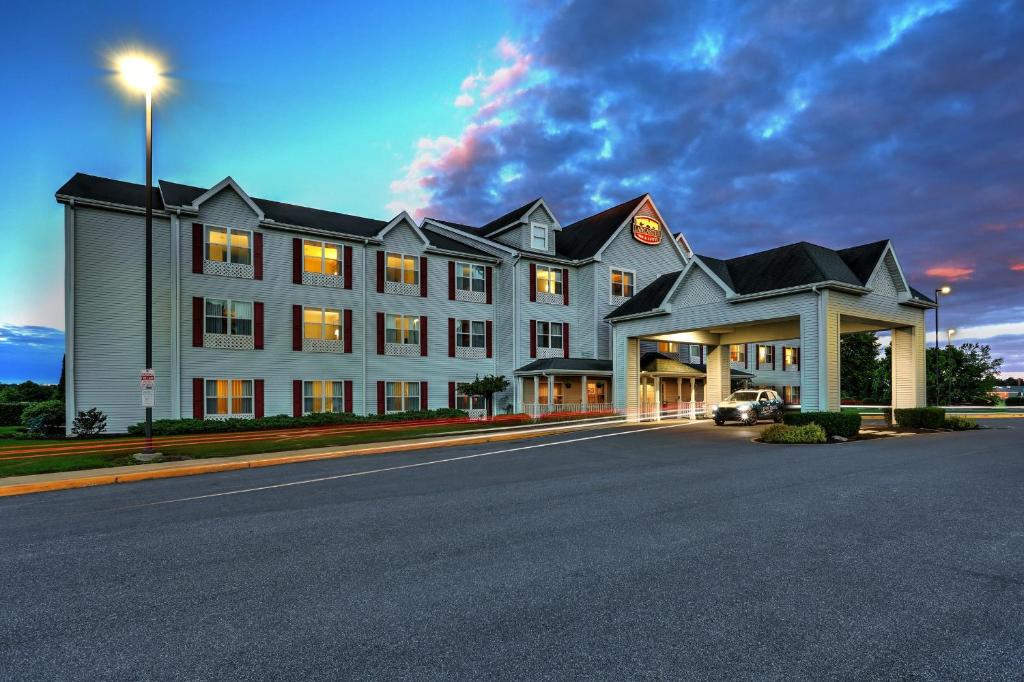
(568, 365)
(783, 267)
(179, 195)
(585, 237)
(921, 295)
(863, 259)
(448, 244)
(512, 216)
(302, 216)
(648, 298)
(111, 191)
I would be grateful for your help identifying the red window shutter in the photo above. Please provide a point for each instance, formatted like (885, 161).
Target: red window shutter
(703, 359)
(451, 395)
(424, 396)
(487, 284)
(257, 401)
(348, 267)
(380, 272)
(257, 255)
(451, 337)
(565, 286)
(783, 358)
(381, 407)
(197, 247)
(746, 356)
(198, 398)
(451, 280)
(348, 396)
(257, 325)
(347, 331)
(198, 311)
(773, 358)
(296, 327)
(423, 335)
(297, 398)
(757, 357)
(490, 345)
(380, 333)
(297, 260)
(533, 281)
(533, 338)
(423, 277)
(565, 339)
(797, 352)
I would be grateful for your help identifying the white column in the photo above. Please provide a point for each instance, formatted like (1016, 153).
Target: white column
(657, 399)
(536, 391)
(716, 387)
(679, 397)
(693, 398)
(583, 392)
(551, 390)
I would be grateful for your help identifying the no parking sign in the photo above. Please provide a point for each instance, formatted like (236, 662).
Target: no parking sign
(147, 382)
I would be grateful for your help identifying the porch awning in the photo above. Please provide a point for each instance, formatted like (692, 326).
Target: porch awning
(588, 366)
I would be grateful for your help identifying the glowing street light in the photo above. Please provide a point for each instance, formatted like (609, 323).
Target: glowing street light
(949, 336)
(944, 290)
(138, 72)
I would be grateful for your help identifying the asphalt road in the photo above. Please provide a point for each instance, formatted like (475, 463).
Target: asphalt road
(687, 552)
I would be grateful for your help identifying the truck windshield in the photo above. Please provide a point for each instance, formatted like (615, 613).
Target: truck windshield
(743, 395)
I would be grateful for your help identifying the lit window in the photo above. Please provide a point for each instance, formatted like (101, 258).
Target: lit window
(228, 317)
(401, 396)
(402, 269)
(791, 357)
(738, 352)
(549, 280)
(622, 283)
(791, 394)
(667, 347)
(549, 334)
(538, 237)
(596, 392)
(468, 402)
(695, 355)
(402, 329)
(765, 355)
(321, 323)
(323, 396)
(321, 257)
(469, 277)
(227, 245)
(470, 334)
(229, 397)
(543, 393)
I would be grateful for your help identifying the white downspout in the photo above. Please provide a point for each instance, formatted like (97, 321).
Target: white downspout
(69, 315)
(175, 315)
(363, 286)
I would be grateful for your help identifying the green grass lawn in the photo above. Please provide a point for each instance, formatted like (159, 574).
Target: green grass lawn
(100, 459)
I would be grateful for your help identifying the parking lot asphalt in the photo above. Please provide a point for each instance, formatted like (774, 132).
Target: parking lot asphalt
(681, 552)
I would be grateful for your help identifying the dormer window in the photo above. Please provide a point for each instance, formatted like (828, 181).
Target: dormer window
(538, 237)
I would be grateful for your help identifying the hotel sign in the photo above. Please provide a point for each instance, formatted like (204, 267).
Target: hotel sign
(646, 230)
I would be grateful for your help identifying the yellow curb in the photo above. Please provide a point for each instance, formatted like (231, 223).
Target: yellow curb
(176, 469)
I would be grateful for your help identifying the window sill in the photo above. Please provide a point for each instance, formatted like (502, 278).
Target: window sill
(228, 341)
(470, 353)
(222, 269)
(401, 289)
(550, 299)
(222, 417)
(404, 350)
(318, 279)
(470, 296)
(321, 346)
(544, 353)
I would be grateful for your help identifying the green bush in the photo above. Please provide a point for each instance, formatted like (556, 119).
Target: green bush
(176, 427)
(10, 413)
(845, 424)
(920, 417)
(783, 433)
(956, 423)
(45, 418)
(1014, 402)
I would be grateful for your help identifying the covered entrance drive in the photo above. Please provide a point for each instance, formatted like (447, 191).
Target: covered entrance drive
(569, 385)
(671, 388)
(801, 291)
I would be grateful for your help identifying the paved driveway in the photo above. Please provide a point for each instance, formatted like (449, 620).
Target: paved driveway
(683, 552)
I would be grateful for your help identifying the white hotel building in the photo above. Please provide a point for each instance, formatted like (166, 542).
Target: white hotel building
(263, 308)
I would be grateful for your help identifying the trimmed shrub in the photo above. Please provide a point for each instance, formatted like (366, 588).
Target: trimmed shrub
(176, 427)
(956, 423)
(783, 433)
(921, 417)
(845, 424)
(984, 401)
(1014, 402)
(91, 422)
(10, 413)
(45, 418)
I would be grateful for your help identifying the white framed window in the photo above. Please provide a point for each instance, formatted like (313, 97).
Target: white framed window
(791, 395)
(323, 395)
(468, 402)
(765, 356)
(538, 236)
(401, 396)
(738, 352)
(790, 357)
(623, 283)
(404, 329)
(470, 334)
(694, 352)
(470, 277)
(400, 268)
(321, 323)
(558, 397)
(322, 258)
(549, 280)
(597, 392)
(229, 397)
(228, 245)
(224, 316)
(549, 334)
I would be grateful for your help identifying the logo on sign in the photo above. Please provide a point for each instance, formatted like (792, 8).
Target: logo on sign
(646, 230)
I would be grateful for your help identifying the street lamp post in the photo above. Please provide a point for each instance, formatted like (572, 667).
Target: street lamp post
(142, 74)
(941, 291)
(949, 387)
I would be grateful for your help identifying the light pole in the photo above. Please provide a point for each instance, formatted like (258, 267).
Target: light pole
(941, 291)
(142, 74)
(949, 387)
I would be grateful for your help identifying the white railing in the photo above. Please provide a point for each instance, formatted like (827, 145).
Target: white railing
(535, 410)
(672, 410)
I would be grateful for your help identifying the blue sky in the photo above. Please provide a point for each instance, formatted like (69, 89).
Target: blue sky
(751, 124)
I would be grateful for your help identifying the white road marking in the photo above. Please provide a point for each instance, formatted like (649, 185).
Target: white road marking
(446, 460)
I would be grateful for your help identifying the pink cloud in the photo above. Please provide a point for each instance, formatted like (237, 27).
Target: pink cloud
(464, 100)
(950, 272)
(507, 77)
(1017, 267)
(471, 81)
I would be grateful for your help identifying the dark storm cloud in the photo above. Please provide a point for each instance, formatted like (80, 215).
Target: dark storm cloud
(757, 124)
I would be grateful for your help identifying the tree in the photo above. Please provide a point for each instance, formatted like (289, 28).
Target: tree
(486, 387)
(58, 393)
(966, 373)
(26, 392)
(91, 422)
(859, 362)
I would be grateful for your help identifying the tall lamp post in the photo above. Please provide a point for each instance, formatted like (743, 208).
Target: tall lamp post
(949, 384)
(142, 74)
(941, 291)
